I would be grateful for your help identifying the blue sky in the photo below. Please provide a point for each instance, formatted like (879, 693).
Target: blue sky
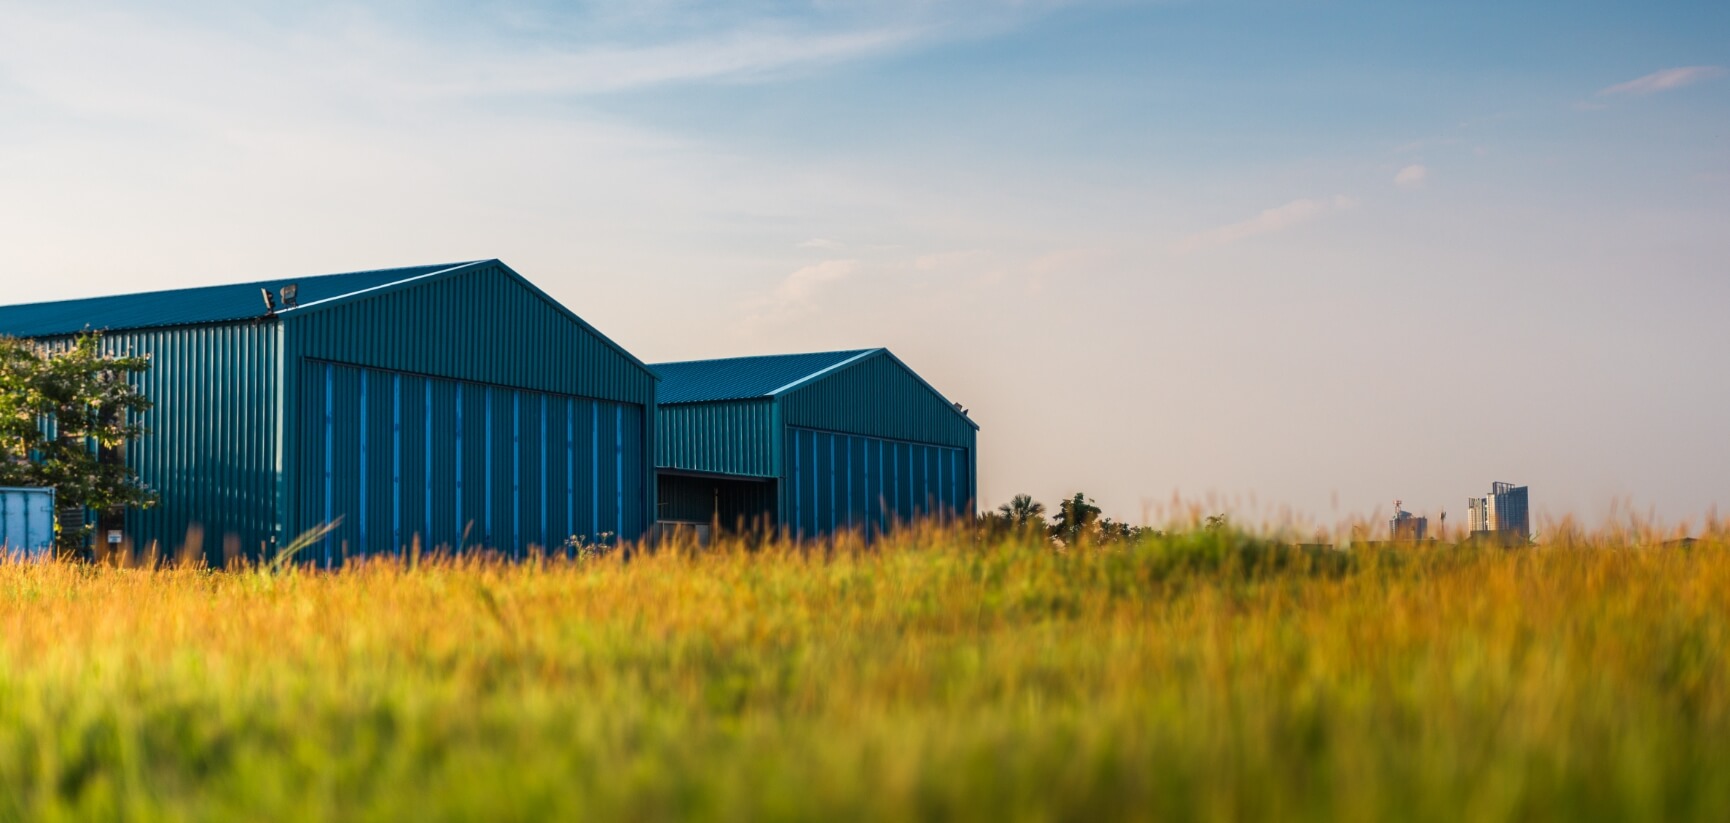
(1304, 255)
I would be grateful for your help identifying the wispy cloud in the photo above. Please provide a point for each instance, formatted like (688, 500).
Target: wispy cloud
(1663, 80)
(1412, 177)
(802, 285)
(1279, 218)
(735, 56)
(334, 59)
(795, 295)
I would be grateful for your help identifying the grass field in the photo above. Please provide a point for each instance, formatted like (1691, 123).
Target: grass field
(1203, 676)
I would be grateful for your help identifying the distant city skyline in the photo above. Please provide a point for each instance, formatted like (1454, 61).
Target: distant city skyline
(1224, 251)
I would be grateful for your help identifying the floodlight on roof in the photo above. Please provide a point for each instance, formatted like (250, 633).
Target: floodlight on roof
(290, 295)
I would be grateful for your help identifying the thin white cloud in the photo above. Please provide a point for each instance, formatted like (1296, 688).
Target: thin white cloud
(802, 285)
(794, 297)
(1279, 218)
(1412, 177)
(742, 55)
(177, 68)
(1664, 80)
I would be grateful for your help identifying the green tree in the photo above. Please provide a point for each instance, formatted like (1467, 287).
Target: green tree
(65, 418)
(1077, 521)
(1023, 513)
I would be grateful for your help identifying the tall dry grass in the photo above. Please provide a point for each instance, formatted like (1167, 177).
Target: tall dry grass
(1203, 675)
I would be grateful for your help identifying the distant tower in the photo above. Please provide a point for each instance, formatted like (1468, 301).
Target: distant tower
(1504, 513)
(1407, 526)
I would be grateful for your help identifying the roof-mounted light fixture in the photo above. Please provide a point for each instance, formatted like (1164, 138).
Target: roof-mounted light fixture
(269, 302)
(290, 295)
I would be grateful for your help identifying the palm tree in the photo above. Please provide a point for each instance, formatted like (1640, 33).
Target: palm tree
(1022, 512)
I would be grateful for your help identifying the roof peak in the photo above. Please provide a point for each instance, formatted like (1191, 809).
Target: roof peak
(285, 280)
(195, 305)
(778, 356)
(751, 377)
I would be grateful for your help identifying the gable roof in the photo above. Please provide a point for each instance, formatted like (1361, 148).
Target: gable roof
(194, 306)
(773, 375)
(743, 378)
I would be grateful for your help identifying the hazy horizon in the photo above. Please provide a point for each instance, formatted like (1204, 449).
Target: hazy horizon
(1318, 255)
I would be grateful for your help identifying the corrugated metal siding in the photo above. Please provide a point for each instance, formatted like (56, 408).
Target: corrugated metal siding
(399, 457)
(485, 352)
(740, 505)
(740, 378)
(481, 326)
(844, 482)
(736, 438)
(880, 398)
(210, 452)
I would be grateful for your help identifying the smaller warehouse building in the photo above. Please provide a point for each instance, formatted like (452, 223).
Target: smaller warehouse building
(810, 444)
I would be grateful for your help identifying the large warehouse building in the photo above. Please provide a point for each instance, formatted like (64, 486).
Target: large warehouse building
(456, 404)
(810, 444)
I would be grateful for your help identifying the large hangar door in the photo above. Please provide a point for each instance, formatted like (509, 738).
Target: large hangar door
(401, 458)
(841, 482)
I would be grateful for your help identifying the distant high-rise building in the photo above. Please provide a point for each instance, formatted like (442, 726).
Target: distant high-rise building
(1408, 526)
(1503, 512)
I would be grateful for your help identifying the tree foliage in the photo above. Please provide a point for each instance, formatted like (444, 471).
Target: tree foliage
(1077, 520)
(1023, 513)
(1022, 516)
(65, 417)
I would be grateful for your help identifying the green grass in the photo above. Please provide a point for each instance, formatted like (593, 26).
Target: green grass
(1205, 676)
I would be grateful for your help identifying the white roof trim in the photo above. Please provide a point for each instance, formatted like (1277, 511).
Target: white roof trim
(391, 285)
(819, 373)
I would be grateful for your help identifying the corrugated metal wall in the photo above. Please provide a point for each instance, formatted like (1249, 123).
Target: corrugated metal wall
(210, 452)
(461, 465)
(842, 482)
(506, 350)
(480, 325)
(241, 430)
(735, 437)
(880, 398)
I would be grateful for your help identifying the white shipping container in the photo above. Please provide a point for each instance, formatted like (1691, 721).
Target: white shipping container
(26, 522)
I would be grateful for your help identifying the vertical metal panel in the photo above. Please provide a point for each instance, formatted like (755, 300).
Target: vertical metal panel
(364, 462)
(462, 334)
(840, 482)
(481, 326)
(605, 470)
(636, 480)
(542, 450)
(444, 522)
(483, 459)
(414, 472)
(210, 452)
(734, 437)
(878, 397)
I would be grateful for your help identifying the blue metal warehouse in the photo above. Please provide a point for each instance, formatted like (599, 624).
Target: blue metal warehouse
(810, 444)
(455, 403)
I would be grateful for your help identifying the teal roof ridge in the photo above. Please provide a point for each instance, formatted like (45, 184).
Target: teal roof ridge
(196, 305)
(749, 377)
